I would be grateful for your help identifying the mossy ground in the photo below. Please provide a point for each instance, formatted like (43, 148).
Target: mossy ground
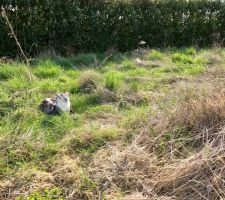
(113, 99)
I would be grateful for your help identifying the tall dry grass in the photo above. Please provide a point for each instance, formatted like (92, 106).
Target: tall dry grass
(140, 172)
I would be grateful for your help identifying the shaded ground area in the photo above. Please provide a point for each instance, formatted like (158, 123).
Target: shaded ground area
(147, 125)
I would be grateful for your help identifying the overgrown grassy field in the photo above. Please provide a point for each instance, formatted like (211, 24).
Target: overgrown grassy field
(147, 124)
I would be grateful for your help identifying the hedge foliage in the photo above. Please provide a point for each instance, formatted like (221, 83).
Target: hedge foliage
(71, 26)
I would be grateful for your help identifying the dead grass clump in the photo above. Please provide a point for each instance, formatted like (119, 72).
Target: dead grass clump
(124, 169)
(142, 63)
(66, 171)
(135, 196)
(139, 53)
(36, 180)
(199, 176)
(139, 196)
(106, 95)
(25, 182)
(214, 76)
(6, 186)
(88, 81)
(173, 80)
(5, 59)
(65, 174)
(88, 139)
(202, 111)
(146, 63)
(72, 179)
(137, 98)
(213, 59)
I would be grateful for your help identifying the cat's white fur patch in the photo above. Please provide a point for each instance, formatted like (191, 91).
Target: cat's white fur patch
(63, 104)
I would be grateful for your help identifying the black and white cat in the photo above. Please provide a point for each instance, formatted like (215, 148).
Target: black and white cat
(61, 103)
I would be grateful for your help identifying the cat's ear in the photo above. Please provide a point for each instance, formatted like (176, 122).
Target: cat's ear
(67, 94)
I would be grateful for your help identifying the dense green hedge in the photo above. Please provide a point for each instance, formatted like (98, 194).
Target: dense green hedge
(71, 26)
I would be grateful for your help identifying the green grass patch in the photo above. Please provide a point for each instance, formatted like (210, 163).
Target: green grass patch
(47, 194)
(182, 58)
(138, 72)
(190, 51)
(134, 120)
(155, 55)
(100, 111)
(80, 103)
(90, 139)
(88, 60)
(183, 70)
(8, 71)
(128, 65)
(113, 80)
(47, 69)
(56, 127)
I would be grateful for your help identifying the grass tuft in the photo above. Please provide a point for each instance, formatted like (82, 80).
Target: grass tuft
(128, 64)
(47, 69)
(80, 103)
(182, 58)
(190, 51)
(8, 71)
(113, 80)
(202, 111)
(89, 139)
(88, 81)
(155, 55)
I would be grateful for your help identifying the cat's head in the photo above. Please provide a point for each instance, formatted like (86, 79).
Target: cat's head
(63, 97)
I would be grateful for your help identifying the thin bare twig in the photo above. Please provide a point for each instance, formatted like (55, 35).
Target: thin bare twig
(4, 15)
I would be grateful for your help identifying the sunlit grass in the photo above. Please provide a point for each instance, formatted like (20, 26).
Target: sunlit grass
(111, 99)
